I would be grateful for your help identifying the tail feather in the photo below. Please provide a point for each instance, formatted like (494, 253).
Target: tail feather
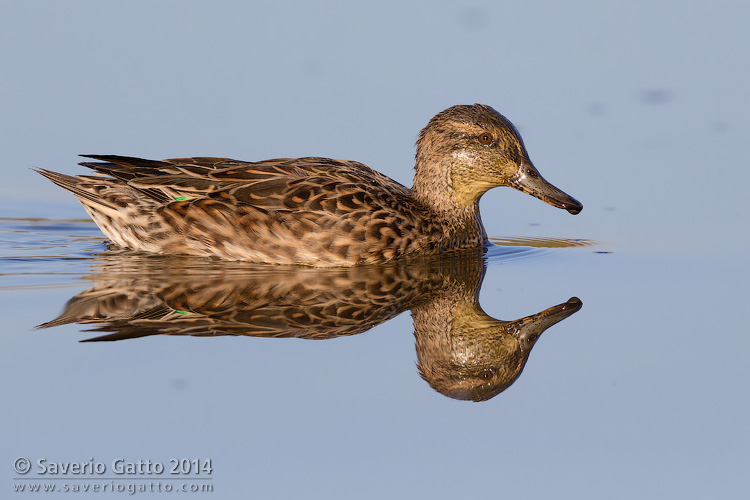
(95, 195)
(72, 184)
(92, 190)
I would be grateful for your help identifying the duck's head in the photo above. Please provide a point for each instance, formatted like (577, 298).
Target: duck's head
(466, 150)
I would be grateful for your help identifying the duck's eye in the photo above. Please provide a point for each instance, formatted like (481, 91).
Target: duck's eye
(485, 374)
(485, 138)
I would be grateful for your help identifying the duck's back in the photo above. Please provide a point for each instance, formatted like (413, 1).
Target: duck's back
(314, 211)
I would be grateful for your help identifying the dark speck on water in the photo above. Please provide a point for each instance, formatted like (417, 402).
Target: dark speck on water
(656, 96)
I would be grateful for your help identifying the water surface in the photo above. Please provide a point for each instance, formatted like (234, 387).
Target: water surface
(624, 374)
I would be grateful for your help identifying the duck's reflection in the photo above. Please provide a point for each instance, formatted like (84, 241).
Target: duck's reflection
(462, 352)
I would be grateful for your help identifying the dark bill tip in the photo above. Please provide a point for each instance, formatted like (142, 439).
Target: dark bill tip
(574, 302)
(574, 209)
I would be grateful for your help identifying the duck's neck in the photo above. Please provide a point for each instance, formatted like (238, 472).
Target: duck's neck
(434, 190)
(433, 186)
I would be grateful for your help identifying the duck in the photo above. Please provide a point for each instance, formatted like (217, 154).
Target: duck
(314, 211)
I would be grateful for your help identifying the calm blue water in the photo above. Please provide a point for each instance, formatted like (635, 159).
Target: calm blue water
(639, 367)
(638, 110)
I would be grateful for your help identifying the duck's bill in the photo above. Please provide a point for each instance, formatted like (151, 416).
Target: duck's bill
(531, 327)
(555, 314)
(531, 182)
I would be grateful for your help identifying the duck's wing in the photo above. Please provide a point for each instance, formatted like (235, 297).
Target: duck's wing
(344, 212)
(283, 183)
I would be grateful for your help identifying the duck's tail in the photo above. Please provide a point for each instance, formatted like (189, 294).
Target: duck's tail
(76, 185)
(120, 211)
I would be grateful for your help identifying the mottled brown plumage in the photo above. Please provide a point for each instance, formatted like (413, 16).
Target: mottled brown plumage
(314, 211)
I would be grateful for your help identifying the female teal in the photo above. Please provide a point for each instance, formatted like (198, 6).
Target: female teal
(315, 211)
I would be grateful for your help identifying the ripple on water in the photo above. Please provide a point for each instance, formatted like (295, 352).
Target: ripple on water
(522, 241)
(40, 252)
(36, 252)
(520, 247)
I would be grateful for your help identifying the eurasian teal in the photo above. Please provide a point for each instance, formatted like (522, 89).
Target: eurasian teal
(315, 211)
